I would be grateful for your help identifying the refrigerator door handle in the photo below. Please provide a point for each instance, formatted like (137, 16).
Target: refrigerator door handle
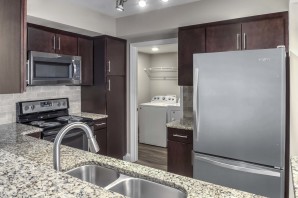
(195, 104)
(241, 168)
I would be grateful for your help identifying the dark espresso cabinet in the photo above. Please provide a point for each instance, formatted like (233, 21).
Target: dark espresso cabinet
(41, 40)
(180, 146)
(49, 40)
(85, 50)
(12, 46)
(221, 38)
(190, 41)
(257, 32)
(100, 134)
(108, 93)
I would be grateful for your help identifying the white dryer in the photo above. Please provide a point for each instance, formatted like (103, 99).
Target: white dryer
(154, 116)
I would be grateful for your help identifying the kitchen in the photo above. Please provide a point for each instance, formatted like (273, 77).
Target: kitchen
(92, 48)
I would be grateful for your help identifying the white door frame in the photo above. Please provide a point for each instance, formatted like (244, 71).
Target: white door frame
(133, 93)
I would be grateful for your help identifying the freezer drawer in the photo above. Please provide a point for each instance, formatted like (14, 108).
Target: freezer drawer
(242, 176)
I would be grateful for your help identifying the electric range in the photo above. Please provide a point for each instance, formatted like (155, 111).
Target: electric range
(51, 116)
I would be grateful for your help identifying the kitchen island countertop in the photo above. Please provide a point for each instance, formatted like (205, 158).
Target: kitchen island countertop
(93, 116)
(27, 167)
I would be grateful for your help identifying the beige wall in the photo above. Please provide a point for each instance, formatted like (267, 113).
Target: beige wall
(144, 61)
(169, 19)
(148, 88)
(294, 76)
(64, 13)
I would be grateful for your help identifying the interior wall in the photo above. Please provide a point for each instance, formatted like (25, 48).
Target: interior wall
(204, 11)
(144, 61)
(148, 88)
(293, 16)
(165, 87)
(62, 12)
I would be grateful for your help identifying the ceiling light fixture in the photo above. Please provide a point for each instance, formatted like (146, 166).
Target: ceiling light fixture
(142, 3)
(155, 49)
(120, 5)
(165, 1)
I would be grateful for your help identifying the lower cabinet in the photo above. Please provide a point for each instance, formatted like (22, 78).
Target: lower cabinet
(180, 152)
(101, 138)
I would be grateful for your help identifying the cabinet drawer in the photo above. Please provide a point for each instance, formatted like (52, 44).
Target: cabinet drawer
(100, 124)
(180, 135)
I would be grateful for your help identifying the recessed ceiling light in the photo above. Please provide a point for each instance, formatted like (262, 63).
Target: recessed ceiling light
(155, 49)
(142, 3)
(165, 1)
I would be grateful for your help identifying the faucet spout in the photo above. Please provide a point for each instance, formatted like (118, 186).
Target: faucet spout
(76, 125)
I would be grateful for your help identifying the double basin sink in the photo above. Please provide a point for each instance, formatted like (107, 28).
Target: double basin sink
(128, 186)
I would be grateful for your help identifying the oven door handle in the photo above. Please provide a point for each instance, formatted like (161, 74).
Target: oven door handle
(69, 136)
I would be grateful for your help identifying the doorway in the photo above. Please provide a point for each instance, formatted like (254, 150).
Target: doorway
(153, 72)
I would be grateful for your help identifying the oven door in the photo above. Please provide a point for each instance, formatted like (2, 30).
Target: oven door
(53, 69)
(75, 138)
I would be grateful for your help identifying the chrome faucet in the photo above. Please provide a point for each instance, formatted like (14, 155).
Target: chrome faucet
(94, 148)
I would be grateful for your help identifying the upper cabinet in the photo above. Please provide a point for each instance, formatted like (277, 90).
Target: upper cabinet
(12, 46)
(259, 32)
(85, 50)
(116, 56)
(190, 41)
(44, 40)
(40, 40)
(221, 38)
(264, 34)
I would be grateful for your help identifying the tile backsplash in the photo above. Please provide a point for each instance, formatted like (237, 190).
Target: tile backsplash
(8, 101)
(188, 102)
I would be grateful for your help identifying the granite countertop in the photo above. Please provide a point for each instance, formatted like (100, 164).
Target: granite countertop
(185, 124)
(26, 167)
(294, 165)
(93, 116)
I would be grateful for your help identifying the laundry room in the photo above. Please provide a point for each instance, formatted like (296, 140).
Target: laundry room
(158, 101)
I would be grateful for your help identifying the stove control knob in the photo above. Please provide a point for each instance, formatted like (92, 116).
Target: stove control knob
(59, 104)
(64, 104)
(26, 108)
(32, 107)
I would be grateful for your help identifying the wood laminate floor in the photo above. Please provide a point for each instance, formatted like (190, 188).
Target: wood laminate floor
(153, 156)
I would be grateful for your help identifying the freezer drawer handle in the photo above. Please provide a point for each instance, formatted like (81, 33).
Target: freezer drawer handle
(240, 168)
(180, 136)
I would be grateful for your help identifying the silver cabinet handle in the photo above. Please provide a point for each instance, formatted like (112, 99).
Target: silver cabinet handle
(101, 124)
(109, 66)
(238, 41)
(180, 136)
(59, 43)
(244, 40)
(109, 85)
(54, 42)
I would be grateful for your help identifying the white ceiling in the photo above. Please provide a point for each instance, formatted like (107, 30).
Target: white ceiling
(131, 7)
(170, 48)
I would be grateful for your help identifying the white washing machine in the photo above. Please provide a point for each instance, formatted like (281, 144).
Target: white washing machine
(154, 116)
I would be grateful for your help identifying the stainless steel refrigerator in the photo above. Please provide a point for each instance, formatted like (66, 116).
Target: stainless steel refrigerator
(239, 120)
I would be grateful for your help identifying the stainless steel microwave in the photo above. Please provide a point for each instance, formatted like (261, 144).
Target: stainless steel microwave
(53, 69)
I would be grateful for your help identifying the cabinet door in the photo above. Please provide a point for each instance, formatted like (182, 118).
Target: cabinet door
(12, 46)
(116, 57)
(222, 38)
(179, 158)
(85, 50)
(116, 110)
(101, 138)
(264, 34)
(41, 40)
(66, 44)
(190, 41)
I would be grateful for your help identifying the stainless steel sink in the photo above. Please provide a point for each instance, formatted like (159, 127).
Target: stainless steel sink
(140, 188)
(97, 175)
